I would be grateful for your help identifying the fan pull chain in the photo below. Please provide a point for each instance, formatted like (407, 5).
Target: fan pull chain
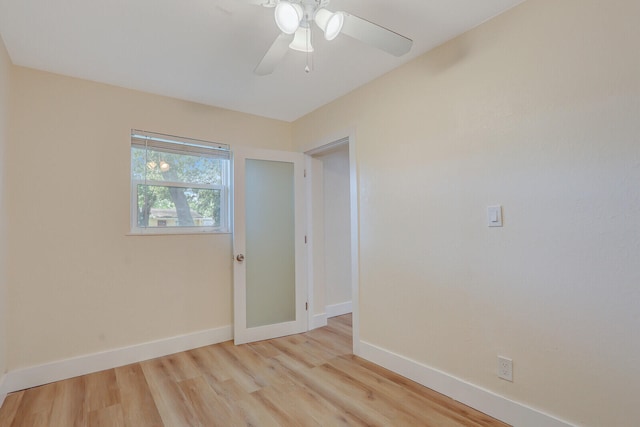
(309, 67)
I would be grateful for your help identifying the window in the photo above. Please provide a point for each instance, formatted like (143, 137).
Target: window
(178, 185)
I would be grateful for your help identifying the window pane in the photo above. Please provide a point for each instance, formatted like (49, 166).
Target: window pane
(157, 165)
(164, 206)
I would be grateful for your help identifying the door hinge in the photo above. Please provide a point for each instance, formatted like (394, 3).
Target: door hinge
(306, 306)
(305, 173)
(305, 239)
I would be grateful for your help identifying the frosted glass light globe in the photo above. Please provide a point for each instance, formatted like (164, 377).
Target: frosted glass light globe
(288, 16)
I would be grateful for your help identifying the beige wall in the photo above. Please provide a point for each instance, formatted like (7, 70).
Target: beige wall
(5, 71)
(79, 284)
(537, 110)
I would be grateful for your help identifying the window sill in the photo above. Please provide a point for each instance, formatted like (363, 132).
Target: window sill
(176, 233)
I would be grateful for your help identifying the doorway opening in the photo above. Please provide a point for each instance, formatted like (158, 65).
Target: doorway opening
(332, 225)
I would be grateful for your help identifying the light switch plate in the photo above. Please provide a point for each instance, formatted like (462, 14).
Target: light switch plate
(494, 216)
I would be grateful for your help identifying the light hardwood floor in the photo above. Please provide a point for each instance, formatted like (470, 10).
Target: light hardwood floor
(310, 379)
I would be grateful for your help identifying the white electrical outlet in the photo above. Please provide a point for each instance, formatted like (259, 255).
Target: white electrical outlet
(505, 368)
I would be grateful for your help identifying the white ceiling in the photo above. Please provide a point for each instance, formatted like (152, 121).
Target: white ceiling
(206, 50)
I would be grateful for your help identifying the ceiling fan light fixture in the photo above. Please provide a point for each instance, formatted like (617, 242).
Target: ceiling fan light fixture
(288, 16)
(330, 23)
(334, 26)
(321, 17)
(302, 40)
(293, 18)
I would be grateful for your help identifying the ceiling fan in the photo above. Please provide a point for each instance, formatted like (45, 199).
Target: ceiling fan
(294, 19)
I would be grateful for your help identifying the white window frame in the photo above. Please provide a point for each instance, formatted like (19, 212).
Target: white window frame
(181, 145)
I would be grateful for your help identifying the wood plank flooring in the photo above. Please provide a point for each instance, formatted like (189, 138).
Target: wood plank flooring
(310, 379)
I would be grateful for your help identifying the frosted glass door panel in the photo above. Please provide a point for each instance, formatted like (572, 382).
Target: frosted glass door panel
(270, 244)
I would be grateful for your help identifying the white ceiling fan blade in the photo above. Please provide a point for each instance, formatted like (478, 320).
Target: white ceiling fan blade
(375, 35)
(274, 55)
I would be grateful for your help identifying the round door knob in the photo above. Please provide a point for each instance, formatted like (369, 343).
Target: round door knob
(240, 257)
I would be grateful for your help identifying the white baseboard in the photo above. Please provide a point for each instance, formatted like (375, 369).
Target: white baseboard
(318, 321)
(339, 309)
(3, 392)
(33, 376)
(490, 403)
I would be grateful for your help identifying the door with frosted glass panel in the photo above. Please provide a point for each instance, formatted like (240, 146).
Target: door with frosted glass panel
(268, 240)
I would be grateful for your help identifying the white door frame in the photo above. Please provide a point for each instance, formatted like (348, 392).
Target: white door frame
(320, 147)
